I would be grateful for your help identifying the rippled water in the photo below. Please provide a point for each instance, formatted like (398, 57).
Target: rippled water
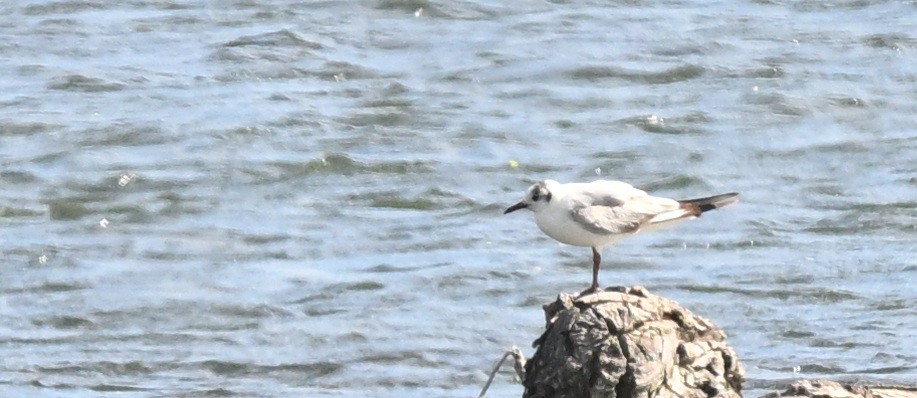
(304, 199)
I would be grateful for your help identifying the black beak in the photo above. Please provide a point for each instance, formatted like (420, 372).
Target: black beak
(517, 206)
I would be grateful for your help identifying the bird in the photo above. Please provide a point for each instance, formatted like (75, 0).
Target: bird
(599, 213)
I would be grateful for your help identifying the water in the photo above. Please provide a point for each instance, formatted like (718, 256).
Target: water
(285, 199)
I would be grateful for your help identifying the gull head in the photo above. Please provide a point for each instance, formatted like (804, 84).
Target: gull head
(536, 197)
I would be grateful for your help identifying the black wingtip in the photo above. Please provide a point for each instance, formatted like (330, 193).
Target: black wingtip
(701, 205)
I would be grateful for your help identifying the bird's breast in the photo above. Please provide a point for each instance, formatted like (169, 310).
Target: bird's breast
(561, 227)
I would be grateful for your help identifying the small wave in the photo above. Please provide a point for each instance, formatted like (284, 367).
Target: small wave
(687, 124)
(47, 287)
(82, 83)
(231, 368)
(115, 388)
(104, 367)
(279, 38)
(806, 368)
(65, 7)
(64, 322)
(13, 212)
(335, 163)
(780, 104)
(889, 41)
(432, 199)
(257, 311)
(673, 75)
(11, 128)
(807, 294)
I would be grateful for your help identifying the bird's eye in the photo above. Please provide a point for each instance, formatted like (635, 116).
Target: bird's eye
(535, 196)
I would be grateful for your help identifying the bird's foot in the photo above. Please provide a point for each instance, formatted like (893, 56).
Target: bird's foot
(592, 289)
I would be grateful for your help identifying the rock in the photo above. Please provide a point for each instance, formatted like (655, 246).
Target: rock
(629, 343)
(833, 389)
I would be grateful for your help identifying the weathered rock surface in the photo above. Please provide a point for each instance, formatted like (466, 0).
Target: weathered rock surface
(832, 389)
(630, 343)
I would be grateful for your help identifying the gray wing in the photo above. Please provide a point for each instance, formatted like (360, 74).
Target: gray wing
(615, 207)
(603, 199)
(605, 220)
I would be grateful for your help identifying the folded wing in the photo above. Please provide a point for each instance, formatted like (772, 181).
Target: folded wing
(615, 207)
